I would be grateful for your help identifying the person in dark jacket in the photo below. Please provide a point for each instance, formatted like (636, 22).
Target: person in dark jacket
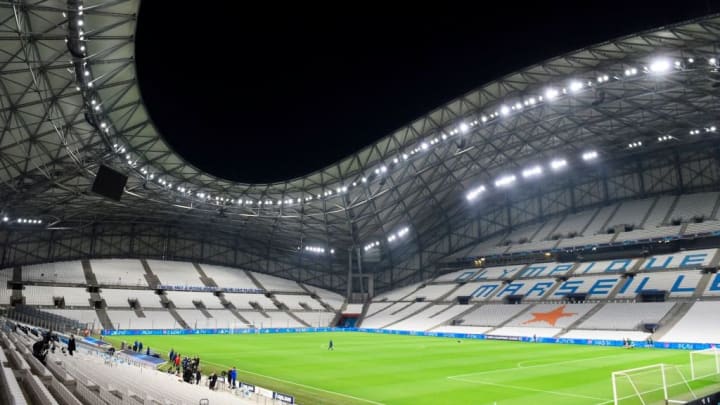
(71, 345)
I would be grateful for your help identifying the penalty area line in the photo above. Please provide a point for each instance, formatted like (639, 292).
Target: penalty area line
(521, 388)
(300, 385)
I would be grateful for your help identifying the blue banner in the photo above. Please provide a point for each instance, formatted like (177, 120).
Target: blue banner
(247, 331)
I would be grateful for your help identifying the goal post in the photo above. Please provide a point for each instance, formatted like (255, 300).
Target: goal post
(650, 385)
(705, 364)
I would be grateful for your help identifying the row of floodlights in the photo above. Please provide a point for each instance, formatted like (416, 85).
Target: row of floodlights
(24, 221)
(657, 66)
(528, 173)
(317, 249)
(398, 235)
(665, 138)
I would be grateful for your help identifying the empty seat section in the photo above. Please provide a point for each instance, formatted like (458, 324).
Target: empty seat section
(676, 283)
(659, 212)
(272, 283)
(225, 319)
(479, 291)
(430, 317)
(626, 316)
(228, 277)
(551, 315)
(88, 316)
(701, 324)
(386, 317)
(573, 224)
(184, 299)
(702, 227)
(119, 272)
(598, 223)
(160, 319)
(398, 293)
(432, 292)
(5, 292)
(316, 319)
(456, 276)
(119, 297)
(64, 272)
(376, 307)
(631, 212)
(43, 295)
(690, 206)
(293, 301)
(492, 314)
(175, 273)
(279, 319)
(530, 289)
(353, 309)
(648, 233)
(197, 320)
(331, 298)
(242, 301)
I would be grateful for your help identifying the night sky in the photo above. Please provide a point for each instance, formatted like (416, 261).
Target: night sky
(270, 95)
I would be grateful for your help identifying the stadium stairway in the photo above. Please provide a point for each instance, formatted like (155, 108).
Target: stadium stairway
(172, 309)
(230, 307)
(424, 307)
(151, 278)
(360, 319)
(338, 314)
(207, 281)
(254, 280)
(608, 221)
(671, 318)
(200, 306)
(579, 321)
(317, 298)
(104, 318)
(702, 285)
(647, 213)
(471, 307)
(667, 218)
(90, 278)
(716, 208)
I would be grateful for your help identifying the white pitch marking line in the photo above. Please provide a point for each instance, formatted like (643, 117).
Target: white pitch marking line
(521, 388)
(301, 385)
(537, 365)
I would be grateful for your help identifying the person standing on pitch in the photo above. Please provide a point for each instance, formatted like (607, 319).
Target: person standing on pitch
(330, 345)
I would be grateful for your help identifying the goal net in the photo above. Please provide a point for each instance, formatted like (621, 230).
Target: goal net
(705, 365)
(650, 385)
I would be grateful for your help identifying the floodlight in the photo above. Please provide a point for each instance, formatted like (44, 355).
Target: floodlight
(464, 127)
(505, 180)
(504, 110)
(590, 155)
(558, 164)
(532, 172)
(576, 86)
(551, 94)
(660, 66)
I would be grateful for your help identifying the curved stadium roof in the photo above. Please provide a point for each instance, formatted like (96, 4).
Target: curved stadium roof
(70, 101)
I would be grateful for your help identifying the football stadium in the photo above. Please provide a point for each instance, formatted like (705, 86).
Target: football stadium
(550, 237)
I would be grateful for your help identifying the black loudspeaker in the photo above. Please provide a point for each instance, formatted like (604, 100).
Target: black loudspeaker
(109, 183)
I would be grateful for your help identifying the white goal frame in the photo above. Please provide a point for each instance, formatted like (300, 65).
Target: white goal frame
(662, 367)
(706, 352)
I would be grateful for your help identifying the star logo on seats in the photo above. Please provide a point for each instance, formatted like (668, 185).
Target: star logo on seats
(550, 317)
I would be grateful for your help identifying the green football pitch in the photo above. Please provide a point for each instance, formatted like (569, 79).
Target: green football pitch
(367, 368)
